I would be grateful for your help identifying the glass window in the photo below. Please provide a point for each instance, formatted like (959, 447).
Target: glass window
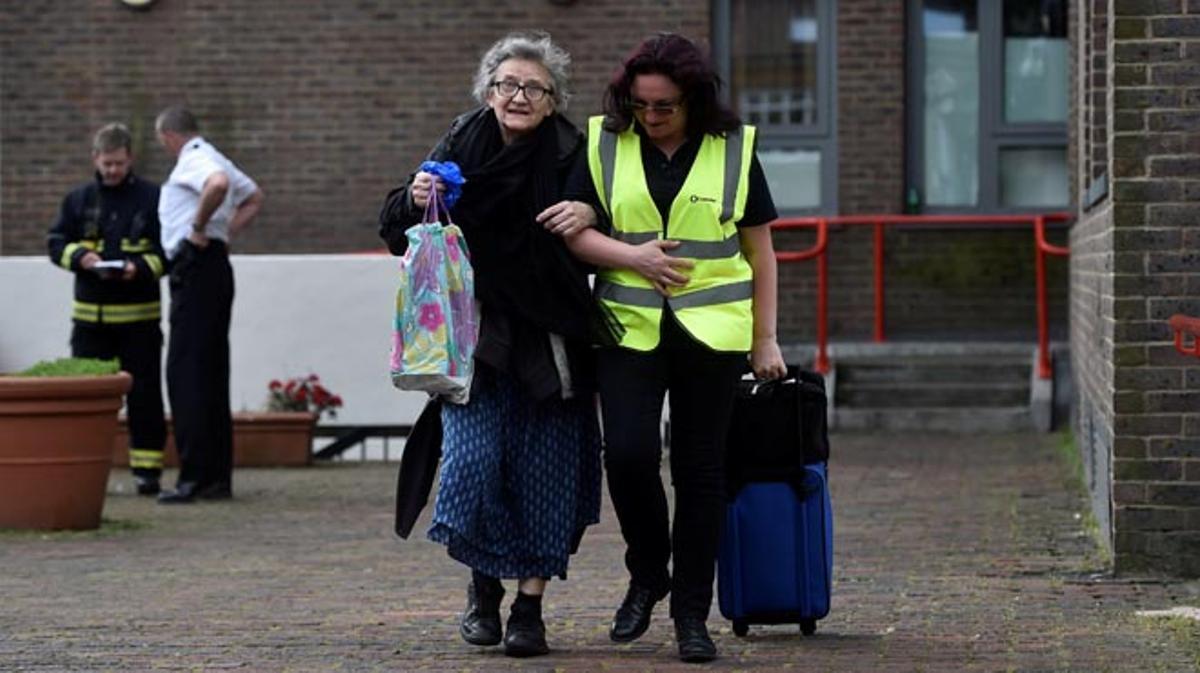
(794, 176)
(773, 50)
(1035, 61)
(989, 97)
(777, 57)
(1033, 177)
(951, 124)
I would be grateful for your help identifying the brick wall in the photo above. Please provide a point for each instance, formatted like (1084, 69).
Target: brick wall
(326, 103)
(1091, 306)
(1134, 264)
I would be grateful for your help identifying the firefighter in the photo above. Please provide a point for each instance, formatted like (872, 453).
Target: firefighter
(107, 234)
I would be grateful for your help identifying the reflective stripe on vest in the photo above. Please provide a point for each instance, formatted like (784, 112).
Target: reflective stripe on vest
(715, 305)
(112, 314)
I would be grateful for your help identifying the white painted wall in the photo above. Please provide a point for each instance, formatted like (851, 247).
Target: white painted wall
(292, 315)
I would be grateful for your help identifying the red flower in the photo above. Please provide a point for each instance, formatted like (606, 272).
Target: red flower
(302, 393)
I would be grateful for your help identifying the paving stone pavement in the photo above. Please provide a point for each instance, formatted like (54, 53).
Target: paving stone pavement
(951, 554)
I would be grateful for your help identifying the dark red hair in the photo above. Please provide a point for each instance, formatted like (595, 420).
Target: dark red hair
(681, 61)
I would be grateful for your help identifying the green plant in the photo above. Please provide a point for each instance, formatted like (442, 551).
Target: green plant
(73, 367)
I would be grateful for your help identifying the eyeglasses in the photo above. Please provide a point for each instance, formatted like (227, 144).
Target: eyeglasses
(667, 109)
(509, 89)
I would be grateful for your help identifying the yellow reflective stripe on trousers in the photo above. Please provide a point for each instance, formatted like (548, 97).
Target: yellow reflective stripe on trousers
(146, 458)
(116, 313)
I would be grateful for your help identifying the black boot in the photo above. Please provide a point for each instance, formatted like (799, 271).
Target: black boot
(525, 635)
(480, 623)
(633, 617)
(147, 484)
(695, 647)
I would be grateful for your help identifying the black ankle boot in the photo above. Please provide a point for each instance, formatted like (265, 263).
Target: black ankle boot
(480, 623)
(525, 635)
(695, 647)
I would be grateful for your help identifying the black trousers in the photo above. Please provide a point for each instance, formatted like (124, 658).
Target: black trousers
(138, 347)
(198, 363)
(701, 383)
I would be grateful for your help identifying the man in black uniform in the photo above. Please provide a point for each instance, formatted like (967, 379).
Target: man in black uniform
(107, 234)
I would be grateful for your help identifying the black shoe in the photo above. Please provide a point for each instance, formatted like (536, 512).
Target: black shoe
(525, 635)
(633, 617)
(184, 493)
(695, 647)
(146, 485)
(215, 491)
(480, 624)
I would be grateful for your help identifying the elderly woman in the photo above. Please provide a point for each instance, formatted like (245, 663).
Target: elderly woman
(689, 271)
(520, 477)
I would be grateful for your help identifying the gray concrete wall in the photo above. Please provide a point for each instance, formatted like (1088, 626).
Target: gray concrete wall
(293, 315)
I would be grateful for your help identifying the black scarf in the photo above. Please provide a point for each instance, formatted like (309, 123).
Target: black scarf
(521, 269)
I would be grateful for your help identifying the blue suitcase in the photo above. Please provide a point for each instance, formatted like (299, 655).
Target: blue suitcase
(775, 564)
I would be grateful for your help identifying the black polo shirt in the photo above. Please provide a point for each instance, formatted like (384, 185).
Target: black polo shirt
(665, 177)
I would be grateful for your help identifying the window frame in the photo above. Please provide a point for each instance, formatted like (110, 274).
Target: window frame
(994, 133)
(822, 136)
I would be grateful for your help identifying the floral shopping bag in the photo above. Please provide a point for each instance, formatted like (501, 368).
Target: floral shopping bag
(437, 318)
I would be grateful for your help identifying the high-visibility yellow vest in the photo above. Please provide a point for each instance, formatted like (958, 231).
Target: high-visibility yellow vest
(715, 306)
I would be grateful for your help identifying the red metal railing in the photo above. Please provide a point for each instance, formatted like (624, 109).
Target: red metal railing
(1184, 325)
(878, 222)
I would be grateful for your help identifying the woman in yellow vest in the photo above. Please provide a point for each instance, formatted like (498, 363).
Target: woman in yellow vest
(688, 269)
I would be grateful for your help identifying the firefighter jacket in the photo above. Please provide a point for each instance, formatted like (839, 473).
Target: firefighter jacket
(715, 306)
(117, 223)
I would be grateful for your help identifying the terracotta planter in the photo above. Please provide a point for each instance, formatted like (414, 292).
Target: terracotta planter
(260, 439)
(56, 437)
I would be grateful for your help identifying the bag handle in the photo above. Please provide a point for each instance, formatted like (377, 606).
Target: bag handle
(436, 205)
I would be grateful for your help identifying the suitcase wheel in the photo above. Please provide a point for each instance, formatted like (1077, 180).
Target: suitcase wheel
(807, 626)
(740, 628)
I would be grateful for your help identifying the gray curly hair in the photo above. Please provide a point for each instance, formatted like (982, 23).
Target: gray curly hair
(530, 46)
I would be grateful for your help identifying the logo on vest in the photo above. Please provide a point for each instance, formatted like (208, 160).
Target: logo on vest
(696, 198)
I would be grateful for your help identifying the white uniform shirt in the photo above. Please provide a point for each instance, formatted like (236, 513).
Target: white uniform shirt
(180, 196)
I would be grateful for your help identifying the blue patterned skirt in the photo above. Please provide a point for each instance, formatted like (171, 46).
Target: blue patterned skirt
(519, 481)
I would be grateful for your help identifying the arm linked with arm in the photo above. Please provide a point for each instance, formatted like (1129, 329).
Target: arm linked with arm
(649, 259)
